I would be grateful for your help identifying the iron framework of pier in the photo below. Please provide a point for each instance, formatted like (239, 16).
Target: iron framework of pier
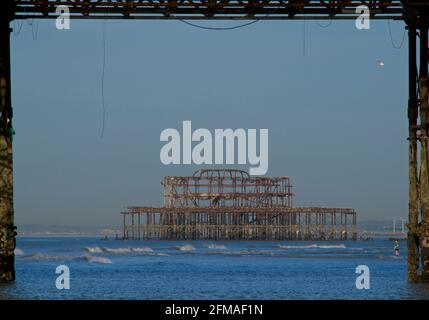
(415, 14)
(229, 204)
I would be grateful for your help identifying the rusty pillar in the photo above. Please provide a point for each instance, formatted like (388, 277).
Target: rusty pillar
(7, 228)
(124, 227)
(424, 160)
(138, 226)
(413, 206)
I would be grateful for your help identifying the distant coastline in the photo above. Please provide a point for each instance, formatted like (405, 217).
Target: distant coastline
(33, 230)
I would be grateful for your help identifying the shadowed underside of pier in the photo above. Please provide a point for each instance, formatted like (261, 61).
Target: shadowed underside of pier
(212, 9)
(244, 223)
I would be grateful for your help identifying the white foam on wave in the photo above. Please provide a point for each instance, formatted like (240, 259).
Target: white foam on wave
(41, 257)
(95, 259)
(314, 246)
(217, 246)
(18, 252)
(187, 247)
(117, 250)
(333, 246)
(127, 250)
(45, 257)
(144, 249)
(159, 254)
(93, 249)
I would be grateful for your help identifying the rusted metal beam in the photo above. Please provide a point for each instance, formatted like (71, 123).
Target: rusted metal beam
(7, 228)
(200, 9)
(413, 205)
(220, 223)
(229, 204)
(424, 151)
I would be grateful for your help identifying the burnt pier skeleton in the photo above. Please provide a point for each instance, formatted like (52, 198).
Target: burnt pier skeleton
(227, 204)
(414, 13)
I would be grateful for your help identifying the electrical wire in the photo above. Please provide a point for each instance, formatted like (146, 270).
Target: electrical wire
(391, 37)
(35, 30)
(226, 28)
(326, 26)
(17, 30)
(303, 38)
(102, 78)
(16, 33)
(219, 28)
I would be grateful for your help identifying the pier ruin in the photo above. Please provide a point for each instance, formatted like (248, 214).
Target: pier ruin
(215, 204)
(414, 14)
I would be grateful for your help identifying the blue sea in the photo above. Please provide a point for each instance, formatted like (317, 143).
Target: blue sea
(138, 269)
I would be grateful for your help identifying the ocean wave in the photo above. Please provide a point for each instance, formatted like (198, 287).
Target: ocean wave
(18, 252)
(159, 254)
(187, 247)
(217, 246)
(388, 257)
(93, 249)
(45, 257)
(94, 259)
(333, 246)
(256, 250)
(144, 249)
(116, 250)
(314, 246)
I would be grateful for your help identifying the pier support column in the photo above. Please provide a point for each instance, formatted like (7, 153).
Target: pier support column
(424, 159)
(7, 228)
(413, 206)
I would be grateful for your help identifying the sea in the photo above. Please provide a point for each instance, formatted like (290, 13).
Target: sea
(272, 270)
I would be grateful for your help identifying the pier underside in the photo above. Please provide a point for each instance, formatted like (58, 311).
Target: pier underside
(244, 223)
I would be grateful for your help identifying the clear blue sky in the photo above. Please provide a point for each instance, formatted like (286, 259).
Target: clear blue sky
(337, 121)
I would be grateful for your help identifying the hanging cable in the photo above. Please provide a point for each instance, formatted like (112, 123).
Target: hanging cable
(226, 28)
(303, 38)
(102, 77)
(16, 33)
(324, 26)
(35, 29)
(17, 30)
(219, 28)
(391, 37)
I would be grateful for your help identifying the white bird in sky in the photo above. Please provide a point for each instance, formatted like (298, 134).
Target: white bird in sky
(381, 63)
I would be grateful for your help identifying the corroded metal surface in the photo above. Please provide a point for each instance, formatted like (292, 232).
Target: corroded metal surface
(7, 228)
(231, 205)
(211, 187)
(212, 9)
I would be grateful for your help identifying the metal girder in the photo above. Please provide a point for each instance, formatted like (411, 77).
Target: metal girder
(7, 228)
(225, 204)
(214, 9)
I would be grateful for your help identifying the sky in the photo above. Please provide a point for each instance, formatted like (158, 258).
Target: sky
(337, 120)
